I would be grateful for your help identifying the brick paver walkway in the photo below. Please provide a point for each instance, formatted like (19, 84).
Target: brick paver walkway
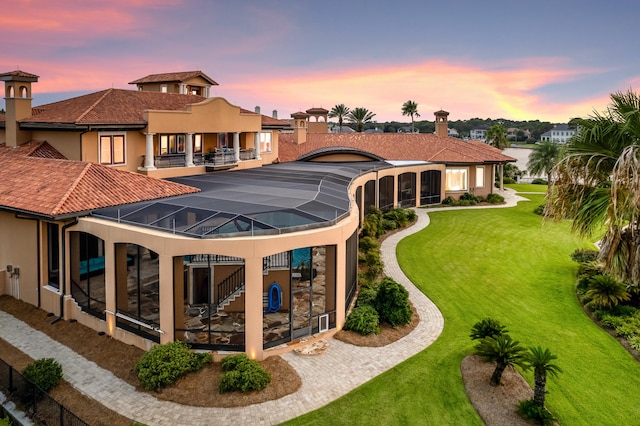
(324, 378)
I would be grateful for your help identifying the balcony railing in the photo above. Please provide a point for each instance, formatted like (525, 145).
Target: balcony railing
(215, 158)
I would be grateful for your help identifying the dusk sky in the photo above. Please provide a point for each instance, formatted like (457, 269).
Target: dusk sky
(547, 60)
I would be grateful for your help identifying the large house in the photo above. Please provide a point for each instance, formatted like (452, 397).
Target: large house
(559, 134)
(162, 214)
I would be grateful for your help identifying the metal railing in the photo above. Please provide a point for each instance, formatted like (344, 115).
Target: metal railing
(37, 404)
(229, 286)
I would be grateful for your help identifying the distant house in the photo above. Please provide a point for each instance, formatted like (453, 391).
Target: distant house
(453, 133)
(479, 133)
(559, 134)
(407, 129)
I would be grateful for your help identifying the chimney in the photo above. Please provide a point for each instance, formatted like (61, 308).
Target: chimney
(299, 127)
(275, 114)
(442, 125)
(17, 97)
(257, 110)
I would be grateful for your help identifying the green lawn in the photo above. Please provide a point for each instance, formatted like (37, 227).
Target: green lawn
(505, 264)
(526, 187)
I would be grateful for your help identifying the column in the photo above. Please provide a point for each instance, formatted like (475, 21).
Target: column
(236, 146)
(148, 153)
(256, 145)
(189, 150)
(253, 308)
(166, 268)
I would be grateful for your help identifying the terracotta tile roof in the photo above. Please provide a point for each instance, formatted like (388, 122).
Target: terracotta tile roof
(317, 110)
(111, 106)
(274, 122)
(395, 146)
(39, 149)
(18, 75)
(55, 187)
(171, 77)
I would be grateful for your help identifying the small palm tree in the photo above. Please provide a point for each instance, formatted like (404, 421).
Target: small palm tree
(543, 158)
(497, 136)
(502, 350)
(542, 363)
(340, 112)
(607, 292)
(488, 327)
(410, 108)
(360, 116)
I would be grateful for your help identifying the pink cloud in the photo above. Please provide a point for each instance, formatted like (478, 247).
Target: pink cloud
(466, 90)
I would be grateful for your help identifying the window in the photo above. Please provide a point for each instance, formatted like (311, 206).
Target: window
(112, 149)
(479, 176)
(53, 254)
(197, 143)
(163, 88)
(265, 142)
(172, 144)
(456, 180)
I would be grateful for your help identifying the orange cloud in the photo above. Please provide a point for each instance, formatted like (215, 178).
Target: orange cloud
(466, 90)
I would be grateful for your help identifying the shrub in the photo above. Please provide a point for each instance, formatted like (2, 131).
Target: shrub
(610, 321)
(449, 201)
(364, 320)
(539, 181)
(539, 210)
(607, 292)
(411, 215)
(388, 225)
(367, 244)
(367, 296)
(162, 365)
(392, 303)
(397, 215)
(374, 264)
(488, 327)
(634, 342)
(584, 255)
(627, 330)
(507, 180)
(45, 373)
(469, 197)
(242, 374)
(529, 410)
(366, 281)
(5, 421)
(465, 203)
(494, 198)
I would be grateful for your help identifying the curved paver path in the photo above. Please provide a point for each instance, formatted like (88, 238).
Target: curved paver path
(324, 378)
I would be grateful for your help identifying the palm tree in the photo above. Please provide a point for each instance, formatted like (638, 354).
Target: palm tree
(502, 350)
(410, 108)
(497, 136)
(360, 116)
(607, 292)
(339, 111)
(543, 158)
(597, 184)
(487, 327)
(542, 363)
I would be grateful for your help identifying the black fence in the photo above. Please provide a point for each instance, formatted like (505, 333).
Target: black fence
(29, 398)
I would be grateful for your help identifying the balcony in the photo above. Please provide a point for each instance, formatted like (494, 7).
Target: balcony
(216, 160)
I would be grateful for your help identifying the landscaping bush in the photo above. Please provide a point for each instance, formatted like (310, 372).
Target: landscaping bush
(469, 197)
(584, 255)
(242, 374)
(488, 327)
(368, 243)
(607, 292)
(162, 365)
(449, 201)
(494, 198)
(634, 342)
(529, 410)
(364, 320)
(366, 281)
(398, 215)
(465, 203)
(508, 181)
(45, 373)
(411, 215)
(539, 181)
(367, 296)
(392, 303)
(539, 210)
(388, 225)
(374, 264)
(5, 421)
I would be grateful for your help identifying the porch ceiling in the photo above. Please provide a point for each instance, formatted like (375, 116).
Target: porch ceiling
(271, 199)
